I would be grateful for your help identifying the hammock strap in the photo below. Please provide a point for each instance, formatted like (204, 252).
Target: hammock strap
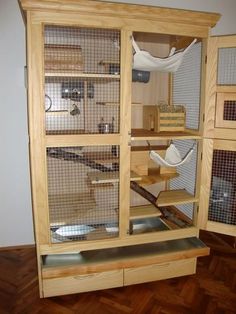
(135, 46)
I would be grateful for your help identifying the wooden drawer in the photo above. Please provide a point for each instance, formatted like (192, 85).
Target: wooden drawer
(82, 283)
(159, 271)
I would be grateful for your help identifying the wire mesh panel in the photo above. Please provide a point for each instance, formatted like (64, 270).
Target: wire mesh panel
(229, 112)
(83, 189)
(222, 206)
(186, 85)
(187, 174)
(226, 66)
(82, 80)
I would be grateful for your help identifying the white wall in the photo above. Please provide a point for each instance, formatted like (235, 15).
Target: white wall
(16, 227)
(15, 200)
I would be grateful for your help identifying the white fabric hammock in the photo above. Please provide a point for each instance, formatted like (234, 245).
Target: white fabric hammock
(144, 61)
(172, 157)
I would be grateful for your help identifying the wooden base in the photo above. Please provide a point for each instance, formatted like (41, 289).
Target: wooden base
(115, 267)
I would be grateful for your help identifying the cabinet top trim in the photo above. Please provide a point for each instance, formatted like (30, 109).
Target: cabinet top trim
(133, 11)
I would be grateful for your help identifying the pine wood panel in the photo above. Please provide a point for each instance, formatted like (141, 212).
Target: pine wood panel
(81, 283)
(125, 126)
(159, 271)
(221, 227)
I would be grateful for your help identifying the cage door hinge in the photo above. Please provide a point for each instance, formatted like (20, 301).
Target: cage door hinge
(201, 156)
(203, 117)
(206, 59)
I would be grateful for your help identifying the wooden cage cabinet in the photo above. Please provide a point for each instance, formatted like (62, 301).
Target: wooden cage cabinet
(105, 213)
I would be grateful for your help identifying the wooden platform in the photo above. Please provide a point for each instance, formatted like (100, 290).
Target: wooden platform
(101, 157)
(144, 211)
(175, 197)
(144, 135)
(97, 177)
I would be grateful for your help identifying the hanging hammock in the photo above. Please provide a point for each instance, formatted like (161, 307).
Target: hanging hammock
(144, 61)
(172, 157)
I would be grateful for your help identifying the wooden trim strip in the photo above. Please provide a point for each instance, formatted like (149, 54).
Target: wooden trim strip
(144, 25)
(85, 139)
(224, 145)
(132, 11)
(129, 240)
(18, 247)
(221, 228)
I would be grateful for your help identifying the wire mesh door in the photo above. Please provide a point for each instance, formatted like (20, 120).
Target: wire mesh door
(222, 205)
(83, 192)
(82, 80)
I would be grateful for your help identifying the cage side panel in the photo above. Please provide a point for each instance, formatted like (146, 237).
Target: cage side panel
(222, 205)
(186, 86)
(187, 174)
(229, 112)
(226, 66)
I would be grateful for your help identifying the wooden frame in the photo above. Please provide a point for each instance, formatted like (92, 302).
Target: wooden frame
(220, 100)
(212, 126)
(126, 19)
(209, 145)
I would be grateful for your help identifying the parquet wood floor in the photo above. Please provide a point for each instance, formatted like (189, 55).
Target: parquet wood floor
(212, 290)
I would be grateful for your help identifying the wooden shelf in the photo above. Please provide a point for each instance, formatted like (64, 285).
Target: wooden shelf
(148, 148)
(144, 135)
(153, 178)
(65, 132)
(69, 208)
(97, 177)
(144, 211)
(101, 157)
(82, 75)
(104, 103)
(175, 197)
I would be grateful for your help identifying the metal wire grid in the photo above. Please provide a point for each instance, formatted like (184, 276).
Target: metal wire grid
(186, 85)
(187, 174)
(83, 191)
(222, 206)
(229, 110)
(82, 86)
(226, 66)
